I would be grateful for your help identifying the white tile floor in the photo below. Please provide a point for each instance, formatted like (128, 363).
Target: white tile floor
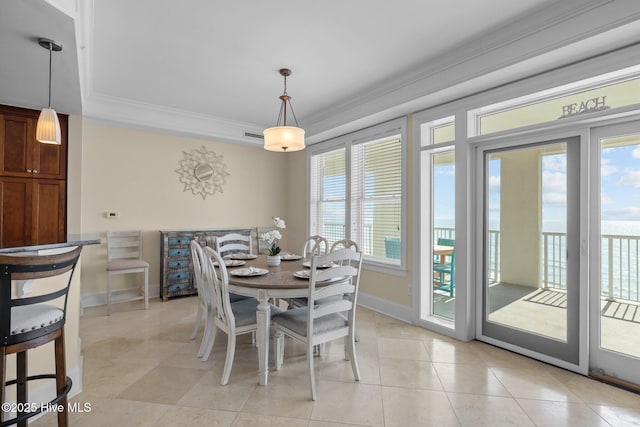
(141, 369)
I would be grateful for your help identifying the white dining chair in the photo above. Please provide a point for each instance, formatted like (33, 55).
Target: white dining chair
(315, 245)
(124, 256)
(205, 304)
(317, 324)
(235, 318)
(234, 242)
(344, 244)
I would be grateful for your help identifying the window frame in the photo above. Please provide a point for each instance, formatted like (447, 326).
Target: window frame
(393, 127)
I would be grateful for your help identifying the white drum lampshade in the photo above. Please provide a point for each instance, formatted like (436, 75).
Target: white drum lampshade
(284, 138)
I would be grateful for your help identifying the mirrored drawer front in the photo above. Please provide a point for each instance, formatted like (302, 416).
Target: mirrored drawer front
(179, 240)
(178, 252)
(181, 263)
(177, 286)
(179, 275)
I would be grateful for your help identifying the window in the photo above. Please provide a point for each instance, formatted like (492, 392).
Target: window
(611, 90)
(328, 195)
(356, 191)
(437, 131)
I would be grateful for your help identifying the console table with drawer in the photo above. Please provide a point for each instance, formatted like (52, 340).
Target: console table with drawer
(176, 271)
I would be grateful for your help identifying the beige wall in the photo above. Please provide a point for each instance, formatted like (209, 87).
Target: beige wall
(133, 172)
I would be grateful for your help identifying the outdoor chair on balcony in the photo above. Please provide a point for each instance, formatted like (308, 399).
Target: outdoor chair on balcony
(444, 277)
(392, 247)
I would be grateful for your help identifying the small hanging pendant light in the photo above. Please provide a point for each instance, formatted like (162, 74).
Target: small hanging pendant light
(48, 127)
(282, 137)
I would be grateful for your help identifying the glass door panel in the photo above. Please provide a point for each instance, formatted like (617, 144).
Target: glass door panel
(443, 265)
(530, 290)
(438, 278)
(615, 340)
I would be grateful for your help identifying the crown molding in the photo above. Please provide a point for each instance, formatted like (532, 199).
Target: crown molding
(149, 116)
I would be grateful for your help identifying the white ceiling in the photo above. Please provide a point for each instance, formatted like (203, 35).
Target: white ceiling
(210, 67)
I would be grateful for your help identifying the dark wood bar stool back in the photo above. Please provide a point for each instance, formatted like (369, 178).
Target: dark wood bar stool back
(31, 321)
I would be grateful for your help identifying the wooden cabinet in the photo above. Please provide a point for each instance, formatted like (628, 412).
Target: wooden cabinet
(48, 213)
(22, 155)
(15, 196)
(32, 181)
(32, 211)
(176, 270)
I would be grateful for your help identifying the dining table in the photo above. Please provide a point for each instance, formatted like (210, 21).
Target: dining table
(442, 251)
(277, 282)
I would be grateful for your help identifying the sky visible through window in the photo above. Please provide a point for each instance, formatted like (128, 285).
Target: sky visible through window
(444, 195)
(620, 188)
(620, 191)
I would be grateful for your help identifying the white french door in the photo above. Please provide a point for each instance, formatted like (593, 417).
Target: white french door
(529, 245)
(614, 349)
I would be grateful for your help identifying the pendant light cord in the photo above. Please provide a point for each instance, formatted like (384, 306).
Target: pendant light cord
(50, 55)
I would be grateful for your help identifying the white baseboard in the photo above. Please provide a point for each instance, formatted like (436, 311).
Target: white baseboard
(389, 308)
(100, 298)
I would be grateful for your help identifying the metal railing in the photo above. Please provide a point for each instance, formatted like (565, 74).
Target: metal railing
(620, 265)
(620, 262)
(620, 271)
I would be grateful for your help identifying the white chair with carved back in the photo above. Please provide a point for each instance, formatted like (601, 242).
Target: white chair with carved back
(124, 255)
(344, 244)
(317, 324)
(233, 318)
(315, 245)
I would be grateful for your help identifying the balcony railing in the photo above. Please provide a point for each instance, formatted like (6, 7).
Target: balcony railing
(620, 263)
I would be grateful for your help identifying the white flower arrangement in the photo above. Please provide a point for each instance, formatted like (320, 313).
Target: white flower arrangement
(272, 237)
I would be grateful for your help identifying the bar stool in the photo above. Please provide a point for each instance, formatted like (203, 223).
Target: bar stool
(32, 321)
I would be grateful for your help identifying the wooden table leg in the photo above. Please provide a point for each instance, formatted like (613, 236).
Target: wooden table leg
(263, 316)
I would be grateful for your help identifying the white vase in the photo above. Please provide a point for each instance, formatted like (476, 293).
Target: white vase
(273, 260)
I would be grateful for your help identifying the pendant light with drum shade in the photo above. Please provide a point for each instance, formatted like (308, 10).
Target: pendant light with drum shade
(48, 127)
(282, 137)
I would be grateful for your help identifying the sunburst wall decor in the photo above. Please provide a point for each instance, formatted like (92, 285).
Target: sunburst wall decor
(202, 172)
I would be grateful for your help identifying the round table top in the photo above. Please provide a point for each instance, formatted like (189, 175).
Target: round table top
(280, 277)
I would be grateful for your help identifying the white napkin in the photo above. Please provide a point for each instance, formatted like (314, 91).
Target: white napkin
(252, 270)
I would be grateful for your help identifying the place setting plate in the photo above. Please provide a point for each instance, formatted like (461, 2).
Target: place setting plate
(290, 257)
(231, 263)
(302, 274)
(306, 274)
(327, 265)
(241, 256)
(249, 272)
